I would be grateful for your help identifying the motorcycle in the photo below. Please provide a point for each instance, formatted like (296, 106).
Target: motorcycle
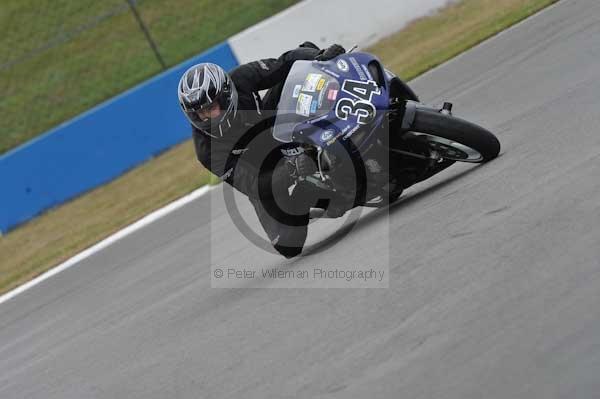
(367, 134)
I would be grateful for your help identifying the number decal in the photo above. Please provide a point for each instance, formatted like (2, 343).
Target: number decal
(362, 109)
(361, 90)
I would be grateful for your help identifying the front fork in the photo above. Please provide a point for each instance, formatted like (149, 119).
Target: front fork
(405, 111)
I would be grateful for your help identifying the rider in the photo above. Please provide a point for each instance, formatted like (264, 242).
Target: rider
(225, 109)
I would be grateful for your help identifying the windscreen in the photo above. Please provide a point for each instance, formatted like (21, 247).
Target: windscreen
(307, 94)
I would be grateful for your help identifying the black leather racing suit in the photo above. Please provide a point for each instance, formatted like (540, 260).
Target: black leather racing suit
(236, 157)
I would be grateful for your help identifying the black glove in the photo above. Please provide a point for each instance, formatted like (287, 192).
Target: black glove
(308, 44)
(330, 52)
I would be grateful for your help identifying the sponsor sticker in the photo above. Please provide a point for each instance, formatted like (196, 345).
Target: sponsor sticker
(290, 152)
(332, 94)
(319, 119)
(311, 82)
(313, 107)
(343, 66)
(358, 69)
(296, 92)
(303, 104)
(327, 135)
(321, 84)
(351, 132)
(367, 72)
(330, 72)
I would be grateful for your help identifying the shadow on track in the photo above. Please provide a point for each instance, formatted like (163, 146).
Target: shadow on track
(363, 223)
(368, 219)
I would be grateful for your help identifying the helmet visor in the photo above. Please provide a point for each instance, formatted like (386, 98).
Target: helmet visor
(209, 111)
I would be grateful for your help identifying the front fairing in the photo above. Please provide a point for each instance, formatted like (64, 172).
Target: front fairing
(327, 101)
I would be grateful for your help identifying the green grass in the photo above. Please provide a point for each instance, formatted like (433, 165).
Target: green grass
(62, 232)
(70, 55)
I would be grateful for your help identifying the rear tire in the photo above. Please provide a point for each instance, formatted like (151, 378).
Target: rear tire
(457, 130)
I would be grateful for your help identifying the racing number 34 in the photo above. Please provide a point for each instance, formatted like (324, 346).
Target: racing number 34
(362, 109)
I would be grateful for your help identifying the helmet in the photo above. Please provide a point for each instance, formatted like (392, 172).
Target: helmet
(200, 87)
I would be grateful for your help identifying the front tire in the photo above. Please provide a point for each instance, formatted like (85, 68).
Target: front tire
(455, 138)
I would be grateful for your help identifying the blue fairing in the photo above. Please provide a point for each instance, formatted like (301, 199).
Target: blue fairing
(333, 101)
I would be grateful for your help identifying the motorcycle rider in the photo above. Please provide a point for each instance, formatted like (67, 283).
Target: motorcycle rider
(231, 130)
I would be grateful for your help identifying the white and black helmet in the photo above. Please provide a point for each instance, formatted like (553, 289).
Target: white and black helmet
(199, 87)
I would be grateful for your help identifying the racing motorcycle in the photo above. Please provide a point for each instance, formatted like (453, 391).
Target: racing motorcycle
(367, 134)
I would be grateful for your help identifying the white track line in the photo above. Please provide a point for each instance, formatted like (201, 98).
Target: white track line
(145, 221)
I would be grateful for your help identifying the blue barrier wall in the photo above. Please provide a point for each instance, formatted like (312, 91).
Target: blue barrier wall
(98, 145)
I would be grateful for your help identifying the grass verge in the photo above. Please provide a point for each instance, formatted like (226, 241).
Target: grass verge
(62, 57)
(430, 41)
(62, 232)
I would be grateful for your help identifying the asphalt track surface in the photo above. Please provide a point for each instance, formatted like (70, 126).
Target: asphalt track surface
(494, 288)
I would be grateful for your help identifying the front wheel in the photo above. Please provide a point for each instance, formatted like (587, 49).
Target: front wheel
(454, 138)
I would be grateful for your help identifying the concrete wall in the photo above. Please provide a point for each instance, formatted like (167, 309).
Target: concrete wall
(347, 22)
(97, 146)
